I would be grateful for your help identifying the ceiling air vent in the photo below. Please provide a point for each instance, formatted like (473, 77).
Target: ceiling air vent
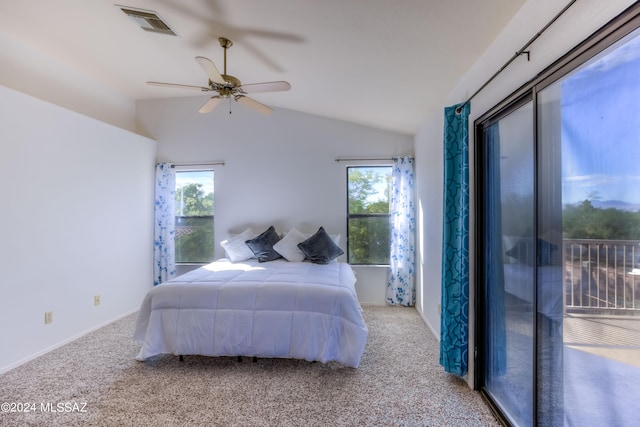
(148, 20)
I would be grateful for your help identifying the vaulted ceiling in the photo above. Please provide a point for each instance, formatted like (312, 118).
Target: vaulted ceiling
(381, 63)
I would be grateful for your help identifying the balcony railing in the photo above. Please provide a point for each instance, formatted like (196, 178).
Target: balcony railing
(602, 275)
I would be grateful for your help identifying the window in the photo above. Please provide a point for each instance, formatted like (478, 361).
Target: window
(194, 217)
(368, 232)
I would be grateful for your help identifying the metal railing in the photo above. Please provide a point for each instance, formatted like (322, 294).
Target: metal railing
(602, 275)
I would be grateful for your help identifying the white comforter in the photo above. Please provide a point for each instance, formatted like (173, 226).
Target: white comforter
(279, 309)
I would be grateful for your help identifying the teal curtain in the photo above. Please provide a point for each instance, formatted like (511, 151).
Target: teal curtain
(454, 321)
(494, 264)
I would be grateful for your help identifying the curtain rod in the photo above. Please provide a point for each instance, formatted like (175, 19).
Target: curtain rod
(222, 163)
(354, 159)
(520, 52)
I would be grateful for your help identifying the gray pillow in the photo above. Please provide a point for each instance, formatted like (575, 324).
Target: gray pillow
(523, 252)
(262, 246)
(320, 248)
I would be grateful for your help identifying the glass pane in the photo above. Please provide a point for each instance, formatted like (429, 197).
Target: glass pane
(369, 189)
(589, 131)
(369, 240)
(194, 193)
(194, 217)
(194, 239)
(368, 228)
(510, 263)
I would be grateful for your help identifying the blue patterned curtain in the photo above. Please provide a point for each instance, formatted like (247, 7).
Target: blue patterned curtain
(164, 229)
(454, 321)
(401, 289)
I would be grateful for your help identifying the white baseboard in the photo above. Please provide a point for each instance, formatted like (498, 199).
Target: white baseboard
(433, 331)
(63, 342)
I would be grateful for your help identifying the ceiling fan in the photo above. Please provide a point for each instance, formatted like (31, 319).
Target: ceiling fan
(227, 86)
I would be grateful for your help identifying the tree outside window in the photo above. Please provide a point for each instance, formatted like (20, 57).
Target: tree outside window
(194, 217)
(368, 228)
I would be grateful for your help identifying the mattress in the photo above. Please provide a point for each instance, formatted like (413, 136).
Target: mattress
(278, 309)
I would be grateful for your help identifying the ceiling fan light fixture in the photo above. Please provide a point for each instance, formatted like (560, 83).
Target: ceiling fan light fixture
(226, 92)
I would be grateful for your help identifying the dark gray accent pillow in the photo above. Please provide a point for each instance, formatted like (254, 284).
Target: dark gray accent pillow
(523, 252)
(320, 248)
(262, 245)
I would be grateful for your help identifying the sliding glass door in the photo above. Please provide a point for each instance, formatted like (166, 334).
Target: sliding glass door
(509, 278)
(589, 133)
(559, 243)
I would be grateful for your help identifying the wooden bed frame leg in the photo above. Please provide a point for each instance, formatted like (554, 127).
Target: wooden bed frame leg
(181, 358)
(255, 359)
(239, 358)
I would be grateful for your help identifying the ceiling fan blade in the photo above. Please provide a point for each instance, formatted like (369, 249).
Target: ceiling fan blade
(179, 86)
(210, 104)
(253, 104)
(265, 87)
(210, 69)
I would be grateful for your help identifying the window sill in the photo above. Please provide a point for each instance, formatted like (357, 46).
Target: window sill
(370, 265)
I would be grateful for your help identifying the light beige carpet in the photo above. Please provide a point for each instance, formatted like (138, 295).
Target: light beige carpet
(95, 381)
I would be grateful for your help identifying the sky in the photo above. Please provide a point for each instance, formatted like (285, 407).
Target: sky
(601, 128)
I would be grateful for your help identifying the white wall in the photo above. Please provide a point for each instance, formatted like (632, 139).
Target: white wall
(280, 169)
(429, 190)
(580, 21)
(76, 221)
(46, 77)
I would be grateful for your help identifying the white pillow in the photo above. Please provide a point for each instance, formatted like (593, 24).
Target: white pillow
(236, 248)
(288, 246)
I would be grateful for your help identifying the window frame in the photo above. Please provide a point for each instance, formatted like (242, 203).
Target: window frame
(194, 168)
(351, 216)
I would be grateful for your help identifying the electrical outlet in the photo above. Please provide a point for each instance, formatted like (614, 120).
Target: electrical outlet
(96, 300)
(48, 317)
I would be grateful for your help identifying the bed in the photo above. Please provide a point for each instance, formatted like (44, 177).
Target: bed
(519, 273)
(276, 309)
(518, 281)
